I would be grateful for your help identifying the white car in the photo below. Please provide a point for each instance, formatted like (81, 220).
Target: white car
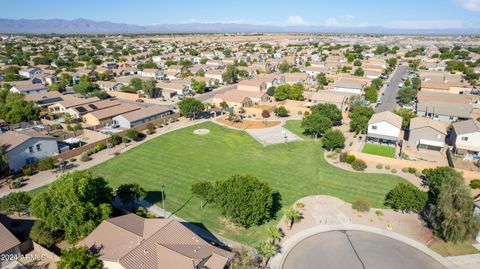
(400, 84)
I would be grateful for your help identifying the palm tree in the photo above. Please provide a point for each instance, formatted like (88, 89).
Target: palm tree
(67, 118)
(274, 234)
(292, 216)
(223, 106)
(267, 251)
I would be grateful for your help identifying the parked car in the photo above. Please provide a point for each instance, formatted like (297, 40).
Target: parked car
(139, 101)
(408, 106)
(400, 84)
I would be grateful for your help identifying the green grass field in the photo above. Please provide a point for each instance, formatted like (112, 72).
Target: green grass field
(180, 158)
(379, 150)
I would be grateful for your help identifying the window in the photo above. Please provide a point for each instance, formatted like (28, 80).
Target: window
(374, 127)
(39, 147)
(30, 149)
(464, 138)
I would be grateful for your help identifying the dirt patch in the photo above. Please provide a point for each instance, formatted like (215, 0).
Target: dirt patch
(249, 124)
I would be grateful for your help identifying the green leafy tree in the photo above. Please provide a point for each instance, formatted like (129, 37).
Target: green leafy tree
(359, 118)
(281, 111)
(231, 74)
(406, 197)
(14, 109)
(452, 215)
(198, 86)
(244, 200)
(15, 202)
(190, 106)
(406, 115)
(296, 92)
(357, 62)
(46, 163)
(85, 87)
(203, 190)
(377, 83)
(282, 92)
(3, 161)
(149, 88)
(333, 139)
(359, 72)
(43, 234)
(75, 204)
(129, 193)
(407, 94)
(283, 67)
(136, 84)
(371, 94)
(316, 124)
(436, 177)
(322, 79)
(79, 258)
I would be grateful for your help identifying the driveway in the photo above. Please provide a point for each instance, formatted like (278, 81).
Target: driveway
(389, 98)
(356, 250)
(206, 97)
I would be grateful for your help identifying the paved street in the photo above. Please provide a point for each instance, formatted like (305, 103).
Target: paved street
(209, 95)
(389, 98)
(356, 250)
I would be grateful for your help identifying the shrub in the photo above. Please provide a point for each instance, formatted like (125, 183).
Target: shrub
(405, 170)
(350, 159)
(338, 150)
(361, 205)
(115, 139)
(72, 160)
(379, 213)
(387, 167)
(342, 156)
(394, 171)
(359, 165)
(475, 184)
(15, 184)
(406, 197)
(43, 235)
(100, 146)
(46, 163)
(412, 170)
(133, 134)
(27, 171)
(150, 128)
(379, 166)
(418, 174)
(281, 111)
(85, 157)
(125, 140)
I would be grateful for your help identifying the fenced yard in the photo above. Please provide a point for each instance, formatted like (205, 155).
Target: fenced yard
(379, 150)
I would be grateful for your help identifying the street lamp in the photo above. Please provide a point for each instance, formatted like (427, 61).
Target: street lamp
(163, 202)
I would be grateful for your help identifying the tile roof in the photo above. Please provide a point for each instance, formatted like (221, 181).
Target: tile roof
(8, 239)
(387, 116)
(466, 126)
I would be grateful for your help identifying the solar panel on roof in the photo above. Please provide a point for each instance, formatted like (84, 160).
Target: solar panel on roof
(81, 109)
(92, 106)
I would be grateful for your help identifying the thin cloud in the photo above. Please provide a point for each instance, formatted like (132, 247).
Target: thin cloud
(470, 5)
(427, 24)
(332, 22)
(296, 20)
(347, 17)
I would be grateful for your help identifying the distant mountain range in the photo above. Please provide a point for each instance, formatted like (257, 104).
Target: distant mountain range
(61, 26)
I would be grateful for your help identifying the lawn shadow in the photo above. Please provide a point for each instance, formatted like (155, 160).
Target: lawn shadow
(155, 196)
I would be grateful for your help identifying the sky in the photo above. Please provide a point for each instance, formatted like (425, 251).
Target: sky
(406, 14)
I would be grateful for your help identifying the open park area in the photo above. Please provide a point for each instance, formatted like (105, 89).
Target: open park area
(178, 159)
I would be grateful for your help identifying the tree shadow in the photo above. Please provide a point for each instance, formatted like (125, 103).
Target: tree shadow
(277, 204)
(181, 207)
(155, 196)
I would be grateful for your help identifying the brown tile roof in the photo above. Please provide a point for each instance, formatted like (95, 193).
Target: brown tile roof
(113, 111)
(144, 113)
(141, 243)
(74, 101)
(387, 116)
(466, 126)
(420, 122)
(102, 104)
(8, 239)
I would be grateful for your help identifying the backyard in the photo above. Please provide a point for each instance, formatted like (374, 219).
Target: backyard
(379, 150)
(178, 159)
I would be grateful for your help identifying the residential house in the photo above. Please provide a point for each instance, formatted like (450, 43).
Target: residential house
(142, 116)
(9, 247)
(443, 106)
(27, 147)
(29, 73)
(78, 111)
(339, 99)
(110, 85)
(27, 88)
(151, 73)
(45, 99)
(349, 85)
(384, 128)
(237, 99)
(169, 88)
(425, 133)
(466, 138)
(445, 87)
(254, 85)
(104, 116)
(68, 102)
(215, 74)
(130, 242)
